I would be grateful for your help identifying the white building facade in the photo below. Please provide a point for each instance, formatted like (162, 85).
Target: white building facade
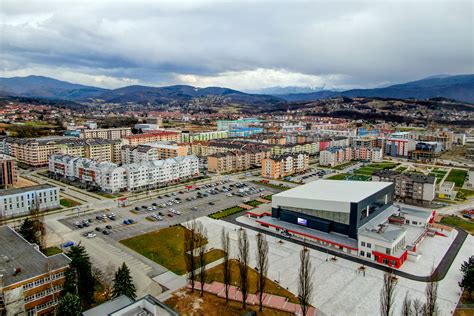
(15, 202)
(110, 177)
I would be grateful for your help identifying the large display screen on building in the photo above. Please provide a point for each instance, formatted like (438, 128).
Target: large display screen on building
(302, 221)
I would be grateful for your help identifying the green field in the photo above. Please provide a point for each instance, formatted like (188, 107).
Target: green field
(344, 165)
(268, 197)
(467, 225)
(457, 176)
(166, 247)
(254, 203)
(227, 212)
(339, 176)
(65, 202)
(401, 168)
(369, 169)
(464, 194)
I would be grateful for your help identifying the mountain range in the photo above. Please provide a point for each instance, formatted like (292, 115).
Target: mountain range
(459, 87)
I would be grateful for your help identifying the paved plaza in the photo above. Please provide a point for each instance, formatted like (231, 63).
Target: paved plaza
(339, 288)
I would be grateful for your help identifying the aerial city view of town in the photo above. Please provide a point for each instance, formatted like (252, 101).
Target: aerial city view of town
(236, 158)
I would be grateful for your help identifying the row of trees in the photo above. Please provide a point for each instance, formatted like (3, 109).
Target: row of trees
(409, 307)
(195, 249)
(82, 280)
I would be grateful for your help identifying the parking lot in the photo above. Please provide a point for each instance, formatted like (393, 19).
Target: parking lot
(312, 175)
(164, 210)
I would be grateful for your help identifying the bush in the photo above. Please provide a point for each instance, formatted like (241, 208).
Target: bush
(227, 212)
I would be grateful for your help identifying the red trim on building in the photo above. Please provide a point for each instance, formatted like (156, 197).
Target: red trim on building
(306, 235)
(398, 261)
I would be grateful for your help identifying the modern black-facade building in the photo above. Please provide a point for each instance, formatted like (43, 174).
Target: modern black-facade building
(333, 206)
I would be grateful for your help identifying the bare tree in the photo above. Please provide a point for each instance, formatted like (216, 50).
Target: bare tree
(189, 251)
(305, 281)
(417, 308)
(262, 265)
(226, 264)
(431, 292)
(202, 263)
(243, 244)
(406, 307)
(107, 281)
(387, 294)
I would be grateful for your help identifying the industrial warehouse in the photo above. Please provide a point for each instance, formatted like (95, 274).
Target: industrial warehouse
(355, 217)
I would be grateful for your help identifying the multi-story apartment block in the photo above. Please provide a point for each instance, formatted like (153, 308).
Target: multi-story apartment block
(157, 136)
(411, 188)
(399, 147)
(187, 137)
(309, 148)
(281, 166)
(8, 176)
(96, 149)
(426, 151)
(35, 152)
(110, 177)
(41, 197)
(106, 133)
(154, 151)
(337, 155)
(226, 125)
(30, 282)
(228, 162)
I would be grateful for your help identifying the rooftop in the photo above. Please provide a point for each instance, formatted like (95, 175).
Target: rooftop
(26, 189)
(16, 252)
(334, 190)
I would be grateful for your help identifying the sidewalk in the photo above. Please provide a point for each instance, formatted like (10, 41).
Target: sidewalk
(269, 300)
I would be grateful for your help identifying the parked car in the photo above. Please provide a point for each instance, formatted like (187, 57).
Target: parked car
(108, 226)
(91, 235)
(98, 229)
(212, 203)
(68, 244)
(105, 232)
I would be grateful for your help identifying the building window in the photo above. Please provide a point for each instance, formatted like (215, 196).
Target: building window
(362, 243)
(369, 245)
(385, 261)
(369, 255)
(362, 253)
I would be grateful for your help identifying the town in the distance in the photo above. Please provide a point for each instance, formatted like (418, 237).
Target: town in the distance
(219, 205)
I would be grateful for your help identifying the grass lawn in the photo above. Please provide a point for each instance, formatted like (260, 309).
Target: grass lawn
(339, 176)
(68, 202)
(401, 168)
(227, 212)
(457, 176)
(464, 194)
(216, 274)
(108, 195)
(166, 247)
(52, 251)
(254, 203)
(344, 165)
(467, 225)
(268, 197)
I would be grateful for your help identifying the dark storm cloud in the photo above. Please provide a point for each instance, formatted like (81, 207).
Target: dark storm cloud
(238, 43)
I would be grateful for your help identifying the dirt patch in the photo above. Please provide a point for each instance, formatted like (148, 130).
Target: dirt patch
(192, 304)
(22, 183)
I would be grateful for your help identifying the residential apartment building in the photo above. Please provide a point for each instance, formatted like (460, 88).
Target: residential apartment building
(338, 155)
(187, 137)
(106, 133)
(426, 151)
(110, 177)
(97, 149)
(157, 136)
(399, 147)
(154, 151)
(277, 167)
(308, 148)
(411, 188)
(33, 151)
(36, 151)
(228, 162)
(21, 201)
(30, 282)
(8, 175)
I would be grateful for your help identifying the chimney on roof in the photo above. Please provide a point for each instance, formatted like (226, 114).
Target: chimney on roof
(16, 271)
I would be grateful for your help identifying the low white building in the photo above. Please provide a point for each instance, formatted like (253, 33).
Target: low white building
(110, 177)
(15, 202)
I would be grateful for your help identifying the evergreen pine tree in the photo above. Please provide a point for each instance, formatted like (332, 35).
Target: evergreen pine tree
(69, 305)
(80, 263)
(123, 283)
(27, 231)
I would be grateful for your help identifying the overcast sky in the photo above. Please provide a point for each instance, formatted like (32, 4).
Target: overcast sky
(237, 44)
